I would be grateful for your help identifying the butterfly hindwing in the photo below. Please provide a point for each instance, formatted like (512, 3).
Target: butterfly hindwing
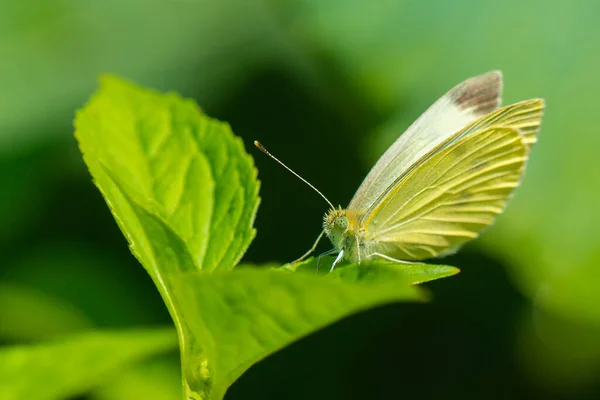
(524, 116)
(449, 196)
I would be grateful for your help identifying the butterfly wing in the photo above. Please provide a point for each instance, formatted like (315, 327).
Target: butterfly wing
(456, 190)
(459, 107)
(524, 116)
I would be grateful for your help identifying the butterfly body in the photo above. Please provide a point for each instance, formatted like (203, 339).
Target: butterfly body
(352, 240)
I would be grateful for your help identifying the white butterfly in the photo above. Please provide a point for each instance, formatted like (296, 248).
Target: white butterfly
(442, 182)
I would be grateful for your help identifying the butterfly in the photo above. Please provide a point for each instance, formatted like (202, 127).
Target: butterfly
(442, 182)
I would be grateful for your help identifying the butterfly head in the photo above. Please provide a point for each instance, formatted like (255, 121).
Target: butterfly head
(336, 224)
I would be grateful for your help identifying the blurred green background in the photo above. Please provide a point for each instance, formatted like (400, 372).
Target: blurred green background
(326, 86)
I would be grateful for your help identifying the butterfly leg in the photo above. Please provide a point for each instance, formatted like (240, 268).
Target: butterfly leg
(388, 258)
(314, 246)
(357, 248)
(337, 260)
(321, 255)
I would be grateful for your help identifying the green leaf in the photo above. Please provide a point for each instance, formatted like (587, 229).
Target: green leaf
(69, 367)
(413, 273)
(178, 183)
(184, 193)
(164, 166)
(242, 317)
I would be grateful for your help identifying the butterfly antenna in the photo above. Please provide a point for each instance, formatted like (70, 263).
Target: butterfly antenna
(262, 148)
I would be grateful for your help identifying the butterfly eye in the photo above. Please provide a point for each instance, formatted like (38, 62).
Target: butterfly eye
(341, 222)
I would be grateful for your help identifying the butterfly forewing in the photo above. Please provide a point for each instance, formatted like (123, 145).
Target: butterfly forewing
(449, 196)
(459, 107)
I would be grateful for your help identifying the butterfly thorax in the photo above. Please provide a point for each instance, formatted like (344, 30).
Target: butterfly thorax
(343, 229)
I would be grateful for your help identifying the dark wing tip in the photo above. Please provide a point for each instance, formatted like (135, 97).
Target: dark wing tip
(481, 94)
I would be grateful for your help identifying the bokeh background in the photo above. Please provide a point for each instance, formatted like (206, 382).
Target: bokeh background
(326, 86)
